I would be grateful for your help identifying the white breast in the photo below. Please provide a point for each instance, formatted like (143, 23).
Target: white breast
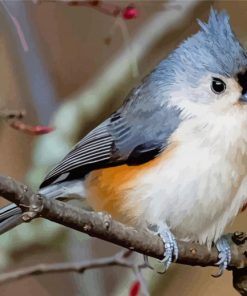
(199, 190)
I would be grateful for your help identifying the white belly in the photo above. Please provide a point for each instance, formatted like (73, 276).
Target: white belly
(199, 190)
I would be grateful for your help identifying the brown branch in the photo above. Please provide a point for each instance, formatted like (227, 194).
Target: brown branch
(102, 226)
(240, 280)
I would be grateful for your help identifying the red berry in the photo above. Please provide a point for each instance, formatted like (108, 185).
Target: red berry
(135, 288)
(129, 12)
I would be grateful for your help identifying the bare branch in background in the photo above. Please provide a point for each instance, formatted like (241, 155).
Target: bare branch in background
(14, 119)
(12, 114)
(104, 227)
(17, 25)
(127, 12)
(120, 259)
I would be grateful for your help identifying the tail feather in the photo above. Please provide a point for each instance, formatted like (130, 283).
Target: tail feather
(10, 217)
(10, 223)
(66, 190)
(8, 211)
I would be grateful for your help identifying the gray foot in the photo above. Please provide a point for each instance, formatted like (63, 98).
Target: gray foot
(224, 250)
(171, 247)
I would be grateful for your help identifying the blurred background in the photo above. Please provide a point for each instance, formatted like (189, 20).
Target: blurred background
(78, 66)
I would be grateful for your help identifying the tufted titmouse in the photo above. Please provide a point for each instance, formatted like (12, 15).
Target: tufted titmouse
(175, 153)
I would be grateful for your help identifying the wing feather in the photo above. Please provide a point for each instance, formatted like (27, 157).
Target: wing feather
(95, 147)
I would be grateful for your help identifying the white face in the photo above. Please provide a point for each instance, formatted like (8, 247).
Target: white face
(214, 94)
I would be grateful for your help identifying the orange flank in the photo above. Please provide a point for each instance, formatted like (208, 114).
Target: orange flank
(107, 189)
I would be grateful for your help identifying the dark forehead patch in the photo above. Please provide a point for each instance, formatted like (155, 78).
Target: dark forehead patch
(242, 80)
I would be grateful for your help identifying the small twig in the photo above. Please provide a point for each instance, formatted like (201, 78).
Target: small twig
(13, 118)
(127, 12)
(141, 280)
(106, 8)
(17, 25)
(120, 259)
(12, 114)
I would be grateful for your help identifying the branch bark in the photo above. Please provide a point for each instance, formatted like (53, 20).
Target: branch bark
(102, 226)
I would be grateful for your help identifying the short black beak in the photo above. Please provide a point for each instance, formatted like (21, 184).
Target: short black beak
(243, 98)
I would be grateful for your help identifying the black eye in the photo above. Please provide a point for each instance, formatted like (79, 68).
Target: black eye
(218, 86)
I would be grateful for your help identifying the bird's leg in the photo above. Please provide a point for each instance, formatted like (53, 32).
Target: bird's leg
(171, 247)
(224, 249)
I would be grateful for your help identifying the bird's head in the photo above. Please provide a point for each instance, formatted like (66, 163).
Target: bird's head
(208, 71)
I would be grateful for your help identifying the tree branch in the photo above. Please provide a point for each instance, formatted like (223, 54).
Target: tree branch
(102, 226)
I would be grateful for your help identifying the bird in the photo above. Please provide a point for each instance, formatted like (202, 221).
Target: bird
(174, 155)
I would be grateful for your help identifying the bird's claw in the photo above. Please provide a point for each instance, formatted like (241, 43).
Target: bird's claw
(171, 248)
(224, 256)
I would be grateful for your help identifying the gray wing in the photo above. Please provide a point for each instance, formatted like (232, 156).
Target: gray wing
(94, 148)
(135, 134)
